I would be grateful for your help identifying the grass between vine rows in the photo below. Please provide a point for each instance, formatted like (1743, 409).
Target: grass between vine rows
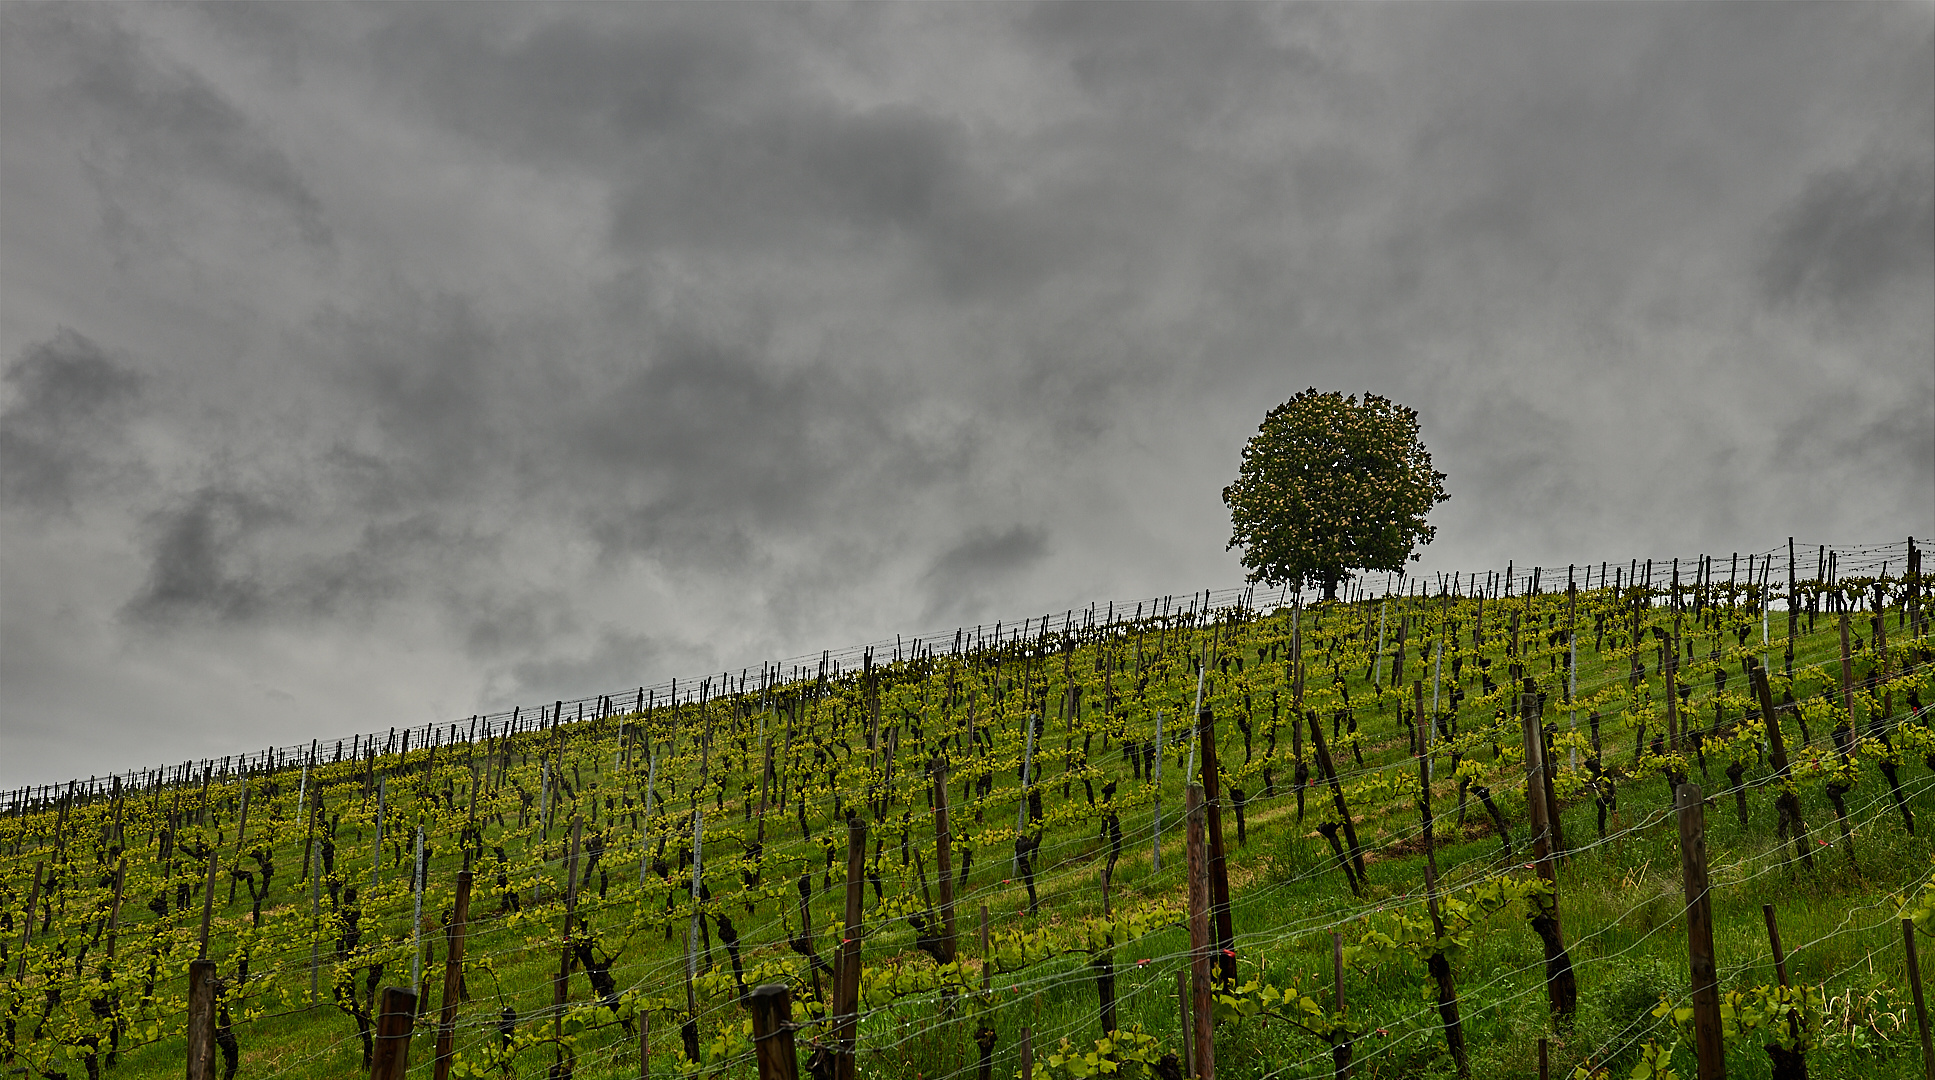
(1620, 897)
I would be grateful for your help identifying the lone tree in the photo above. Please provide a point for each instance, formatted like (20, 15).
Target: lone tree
(1328, 484)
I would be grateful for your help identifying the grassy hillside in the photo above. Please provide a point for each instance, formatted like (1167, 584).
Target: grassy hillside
(313, 862)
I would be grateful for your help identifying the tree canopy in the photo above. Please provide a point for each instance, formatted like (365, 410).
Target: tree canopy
(1329, 484)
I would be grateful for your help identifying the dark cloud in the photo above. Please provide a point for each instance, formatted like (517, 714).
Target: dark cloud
(959, 581)
(199, 566)
(1885, 449)
(709, 456)
(1853, 234)
(712, 137)
(494, 622)
(70, 403)
(987, 553)
(406, 559)
(574, 89)
(1170, 60)
(900, 181)
(615, 658)
(228, 556)
(428, 410)
(161, 123)
(490, 354)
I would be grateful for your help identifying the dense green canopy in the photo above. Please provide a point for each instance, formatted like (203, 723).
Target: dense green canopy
(1329, 484)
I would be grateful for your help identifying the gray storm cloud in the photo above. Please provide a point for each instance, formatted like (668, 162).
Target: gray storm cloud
(1854, 233)
(376, 365)
(70, 404)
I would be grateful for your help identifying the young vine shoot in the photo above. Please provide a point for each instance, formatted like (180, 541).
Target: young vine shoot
(1437, 827)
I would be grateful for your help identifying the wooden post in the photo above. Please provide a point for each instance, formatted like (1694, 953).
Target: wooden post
(1021, 809)
(846, 1005)
(417, 883)
(1793, 608)
(1155, 843)
(772, 1019)
(303, 803)
(376, 849)
(27, 932)
(1104, 963)
(1707, 1045)
(1439, 966)
(1182, 1007)
(470, 816)
(1921, 1006)
(1549, 775)
(689, 1028)
(201, 1019)
(1773, 940)
(944, 861)
(241, 831)
(453, 975)
(114, 907)
(1219, 882)
(1027, 1053)
(395, 1017)
(1668, 672)
(1340, 1043)
(561, 985)
(208, 904)
(1847, 661)
(1786, 802)
(1780, 969)
(1199, 947)
(1561, 988)
(315, 914)
(644, 1045)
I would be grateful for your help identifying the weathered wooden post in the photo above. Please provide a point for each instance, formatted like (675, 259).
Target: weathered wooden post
(561, 986)
(1437, 963)
(1219, 884)
(1561, 988)
(772, 1018)
(1155, 844)
(944, 860)
(453, 975)
(396, 1016)
(1921, 1006)
(208, 905)
(1340, 1041)
(201, 1019)
(1707, 1045)
(1786, 803)
(846, 1005)
(1847, 660)
(1188, 1027)
(27, 931)
(984, 1033)
(1773, 940)
(1199, 947)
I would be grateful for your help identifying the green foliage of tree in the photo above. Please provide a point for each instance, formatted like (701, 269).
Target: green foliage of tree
(1330, 484)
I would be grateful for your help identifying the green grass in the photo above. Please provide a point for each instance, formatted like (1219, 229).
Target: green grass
(1620, 899)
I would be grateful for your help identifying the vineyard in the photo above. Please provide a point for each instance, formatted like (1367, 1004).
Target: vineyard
(1455, 827)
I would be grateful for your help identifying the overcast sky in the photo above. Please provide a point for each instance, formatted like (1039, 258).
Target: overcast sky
(373, 365)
